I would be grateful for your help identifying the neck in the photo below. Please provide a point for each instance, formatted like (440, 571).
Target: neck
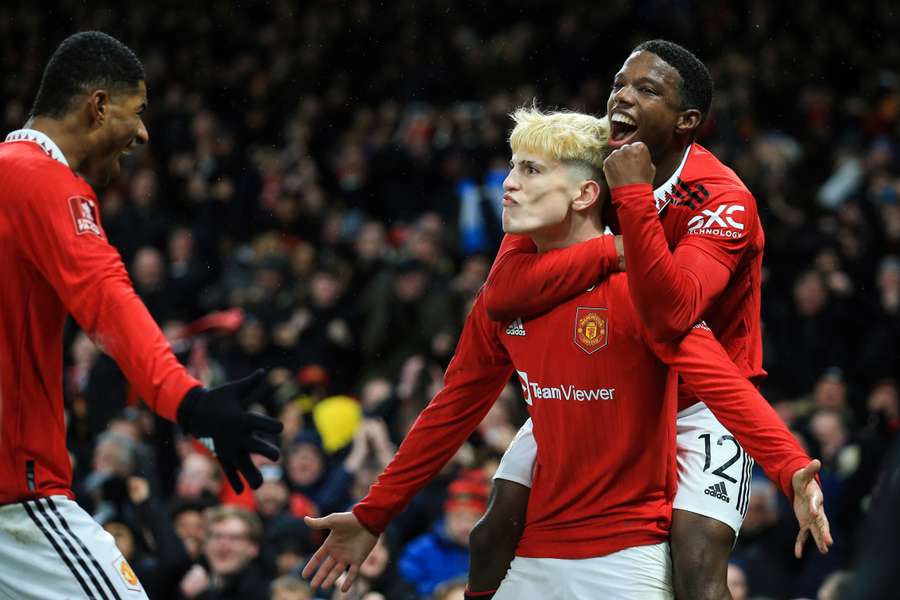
(668, 163)
(573, 230)
(61, 131)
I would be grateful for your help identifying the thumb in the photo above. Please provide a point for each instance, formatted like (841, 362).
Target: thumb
(320, 523)
(806, 474)
(810, 470)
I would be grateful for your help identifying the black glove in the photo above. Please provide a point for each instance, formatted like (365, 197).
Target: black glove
(219, 414)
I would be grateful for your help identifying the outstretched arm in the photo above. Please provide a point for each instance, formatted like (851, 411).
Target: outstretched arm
(475, 377)
(87, 274)
(706, 369)
(524, 283)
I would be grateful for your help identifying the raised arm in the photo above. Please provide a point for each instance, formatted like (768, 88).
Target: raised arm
(692, 277)
(524, 283)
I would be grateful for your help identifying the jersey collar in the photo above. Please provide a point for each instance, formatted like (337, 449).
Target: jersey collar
(659, 194)
(41, 139)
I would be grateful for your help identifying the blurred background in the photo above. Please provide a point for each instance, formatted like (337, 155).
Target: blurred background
(320, 197)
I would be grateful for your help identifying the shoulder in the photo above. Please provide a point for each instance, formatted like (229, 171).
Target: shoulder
(28, 172)
(709, 196)
(713, 180)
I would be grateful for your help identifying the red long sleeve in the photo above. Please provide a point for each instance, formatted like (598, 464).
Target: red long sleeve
(89, 278)
(690, 280)
(523, 282)
(475, 377)
(705, 368)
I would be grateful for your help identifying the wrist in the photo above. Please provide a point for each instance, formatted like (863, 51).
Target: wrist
(621, 195)
(187, 408)
(483, 595)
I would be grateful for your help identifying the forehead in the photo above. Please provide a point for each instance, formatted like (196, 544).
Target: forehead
(647, 65)
(525, 155)
(230, 523)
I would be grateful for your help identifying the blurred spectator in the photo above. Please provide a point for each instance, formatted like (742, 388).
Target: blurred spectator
(290, 587)
(309, 473)
(189, 523)
(737, 582)
(343, 217)
(835, 587)
(291, 543)
(148, 272)
(232, 546)
(443, 553)
(198, 477)
(187, 276)
(807, 336)
(763, 548)
(148, 541)
(404, 312)
(450, 590)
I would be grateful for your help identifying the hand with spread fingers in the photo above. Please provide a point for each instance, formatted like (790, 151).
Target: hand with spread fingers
(220, 414)
(345, 549)
(809, 507)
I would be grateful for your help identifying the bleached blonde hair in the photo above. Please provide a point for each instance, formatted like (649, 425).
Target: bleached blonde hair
(569, 137)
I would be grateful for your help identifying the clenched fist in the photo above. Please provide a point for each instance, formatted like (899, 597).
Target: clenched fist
(629, 164)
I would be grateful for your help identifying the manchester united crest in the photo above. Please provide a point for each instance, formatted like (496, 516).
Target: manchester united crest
(127, 575)
(591, 328)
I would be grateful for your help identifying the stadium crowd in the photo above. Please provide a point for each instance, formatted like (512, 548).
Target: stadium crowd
(320, 198)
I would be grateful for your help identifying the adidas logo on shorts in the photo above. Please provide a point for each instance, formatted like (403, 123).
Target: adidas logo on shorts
(718, 491)
(516, 328)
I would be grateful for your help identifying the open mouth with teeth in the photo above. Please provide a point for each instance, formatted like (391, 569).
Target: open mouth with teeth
(622, 130)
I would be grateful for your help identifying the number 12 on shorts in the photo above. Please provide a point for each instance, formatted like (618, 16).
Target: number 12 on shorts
(720, 470)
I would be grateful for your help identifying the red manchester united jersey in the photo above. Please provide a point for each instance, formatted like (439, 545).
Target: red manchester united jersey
(602, 395)
(702, 211)
(55, 259)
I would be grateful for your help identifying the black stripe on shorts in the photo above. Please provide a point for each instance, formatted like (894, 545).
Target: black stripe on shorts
(59, 551)
(48, 520)
(84, 549)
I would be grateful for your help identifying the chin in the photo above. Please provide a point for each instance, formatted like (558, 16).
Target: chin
(510, 226)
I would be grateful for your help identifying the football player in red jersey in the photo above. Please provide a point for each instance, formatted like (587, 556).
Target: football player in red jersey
(669, 192)
(602, 395)
(55, 259)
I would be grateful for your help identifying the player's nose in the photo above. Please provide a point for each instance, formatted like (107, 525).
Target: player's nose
(510, 183)
(142, 136)
(623, 95)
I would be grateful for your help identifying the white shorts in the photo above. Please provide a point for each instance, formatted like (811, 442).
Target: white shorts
(714, 472)
(638, 573)
(51, 548)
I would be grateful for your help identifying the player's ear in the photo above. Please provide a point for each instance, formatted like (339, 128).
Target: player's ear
(688, 121)
(589, 196)
(98, 106)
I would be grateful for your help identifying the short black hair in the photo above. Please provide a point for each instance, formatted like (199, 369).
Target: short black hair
(696, 83)
(84, 61)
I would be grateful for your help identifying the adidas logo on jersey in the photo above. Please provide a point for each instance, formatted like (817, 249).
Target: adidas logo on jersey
(516, 328)
(718, 491)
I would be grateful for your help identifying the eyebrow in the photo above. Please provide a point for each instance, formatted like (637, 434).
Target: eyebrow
(640, 80)
(526, 163)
